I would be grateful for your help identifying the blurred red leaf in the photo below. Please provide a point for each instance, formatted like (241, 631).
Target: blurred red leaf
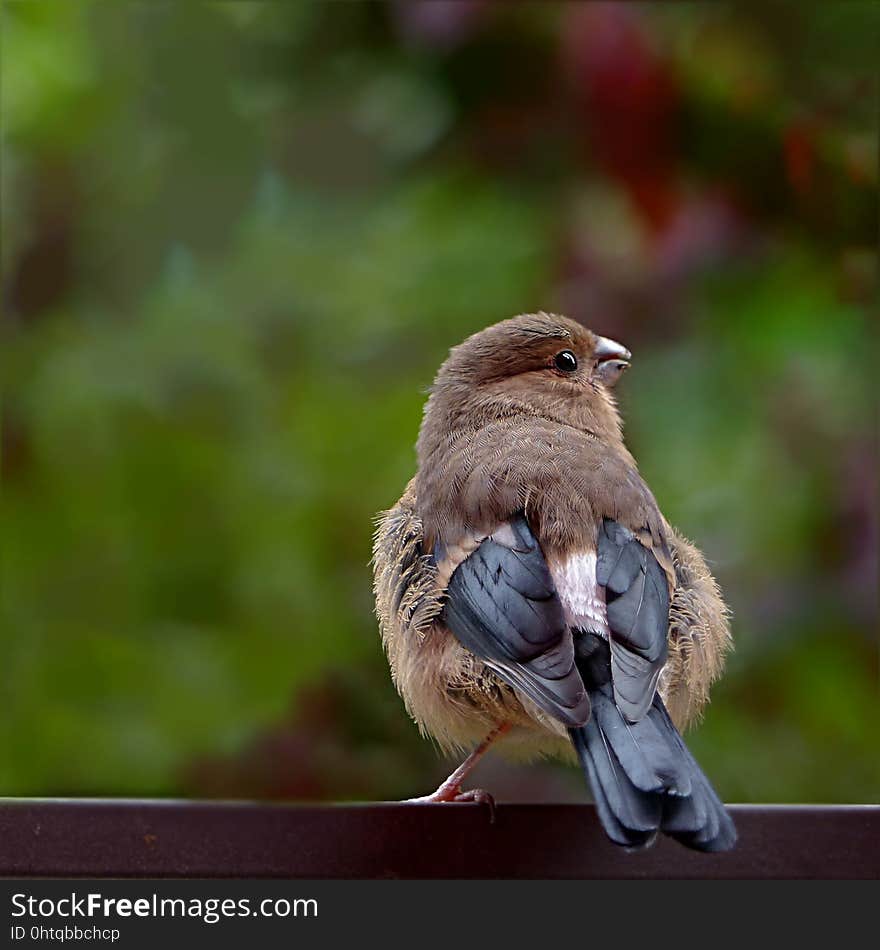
(628, 99)
(799, 149)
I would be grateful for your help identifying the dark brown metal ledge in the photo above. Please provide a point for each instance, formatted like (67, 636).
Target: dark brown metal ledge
(160, 838)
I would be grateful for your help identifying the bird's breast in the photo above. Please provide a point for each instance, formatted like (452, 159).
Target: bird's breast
(582, 598)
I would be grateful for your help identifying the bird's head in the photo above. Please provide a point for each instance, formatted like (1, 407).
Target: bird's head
(546, 364)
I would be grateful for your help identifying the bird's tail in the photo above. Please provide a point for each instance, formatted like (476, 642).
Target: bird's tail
(645, 780)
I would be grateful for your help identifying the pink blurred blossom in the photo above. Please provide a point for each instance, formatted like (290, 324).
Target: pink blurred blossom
(440, 24)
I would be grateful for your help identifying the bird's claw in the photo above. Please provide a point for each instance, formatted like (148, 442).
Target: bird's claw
(454, 793)
(479, 796)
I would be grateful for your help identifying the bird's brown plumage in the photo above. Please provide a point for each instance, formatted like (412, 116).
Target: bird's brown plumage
(505, 432)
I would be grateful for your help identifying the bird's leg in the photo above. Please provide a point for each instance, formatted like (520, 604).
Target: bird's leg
(451, 791)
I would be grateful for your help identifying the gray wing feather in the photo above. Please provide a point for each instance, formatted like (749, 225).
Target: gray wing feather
(501, 605)
(637, 598)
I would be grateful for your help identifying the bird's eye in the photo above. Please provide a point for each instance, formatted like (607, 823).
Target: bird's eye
(566, 361)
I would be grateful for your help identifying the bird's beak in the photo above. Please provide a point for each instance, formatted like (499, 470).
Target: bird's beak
(612, 360)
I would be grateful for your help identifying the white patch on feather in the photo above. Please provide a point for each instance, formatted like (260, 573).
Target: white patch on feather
(504, 535)
(583, 600)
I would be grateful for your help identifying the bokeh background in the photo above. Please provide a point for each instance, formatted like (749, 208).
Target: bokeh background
(238, 240)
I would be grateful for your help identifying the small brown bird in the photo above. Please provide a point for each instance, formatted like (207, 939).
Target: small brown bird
(531, 594)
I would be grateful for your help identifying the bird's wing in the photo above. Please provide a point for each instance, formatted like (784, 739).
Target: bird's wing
(501, 605)
(637, 604)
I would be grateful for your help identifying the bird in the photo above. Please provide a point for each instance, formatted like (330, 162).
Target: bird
(531, 596)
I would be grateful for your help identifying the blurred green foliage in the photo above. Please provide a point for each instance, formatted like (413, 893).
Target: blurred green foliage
(238, 239)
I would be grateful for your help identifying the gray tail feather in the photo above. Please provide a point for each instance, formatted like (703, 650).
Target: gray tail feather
(645, 780)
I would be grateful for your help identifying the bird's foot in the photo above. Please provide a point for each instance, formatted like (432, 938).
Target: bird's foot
(453, 793)
(450, 790)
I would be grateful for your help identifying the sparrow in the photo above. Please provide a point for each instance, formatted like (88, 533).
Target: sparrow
(531, 596)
